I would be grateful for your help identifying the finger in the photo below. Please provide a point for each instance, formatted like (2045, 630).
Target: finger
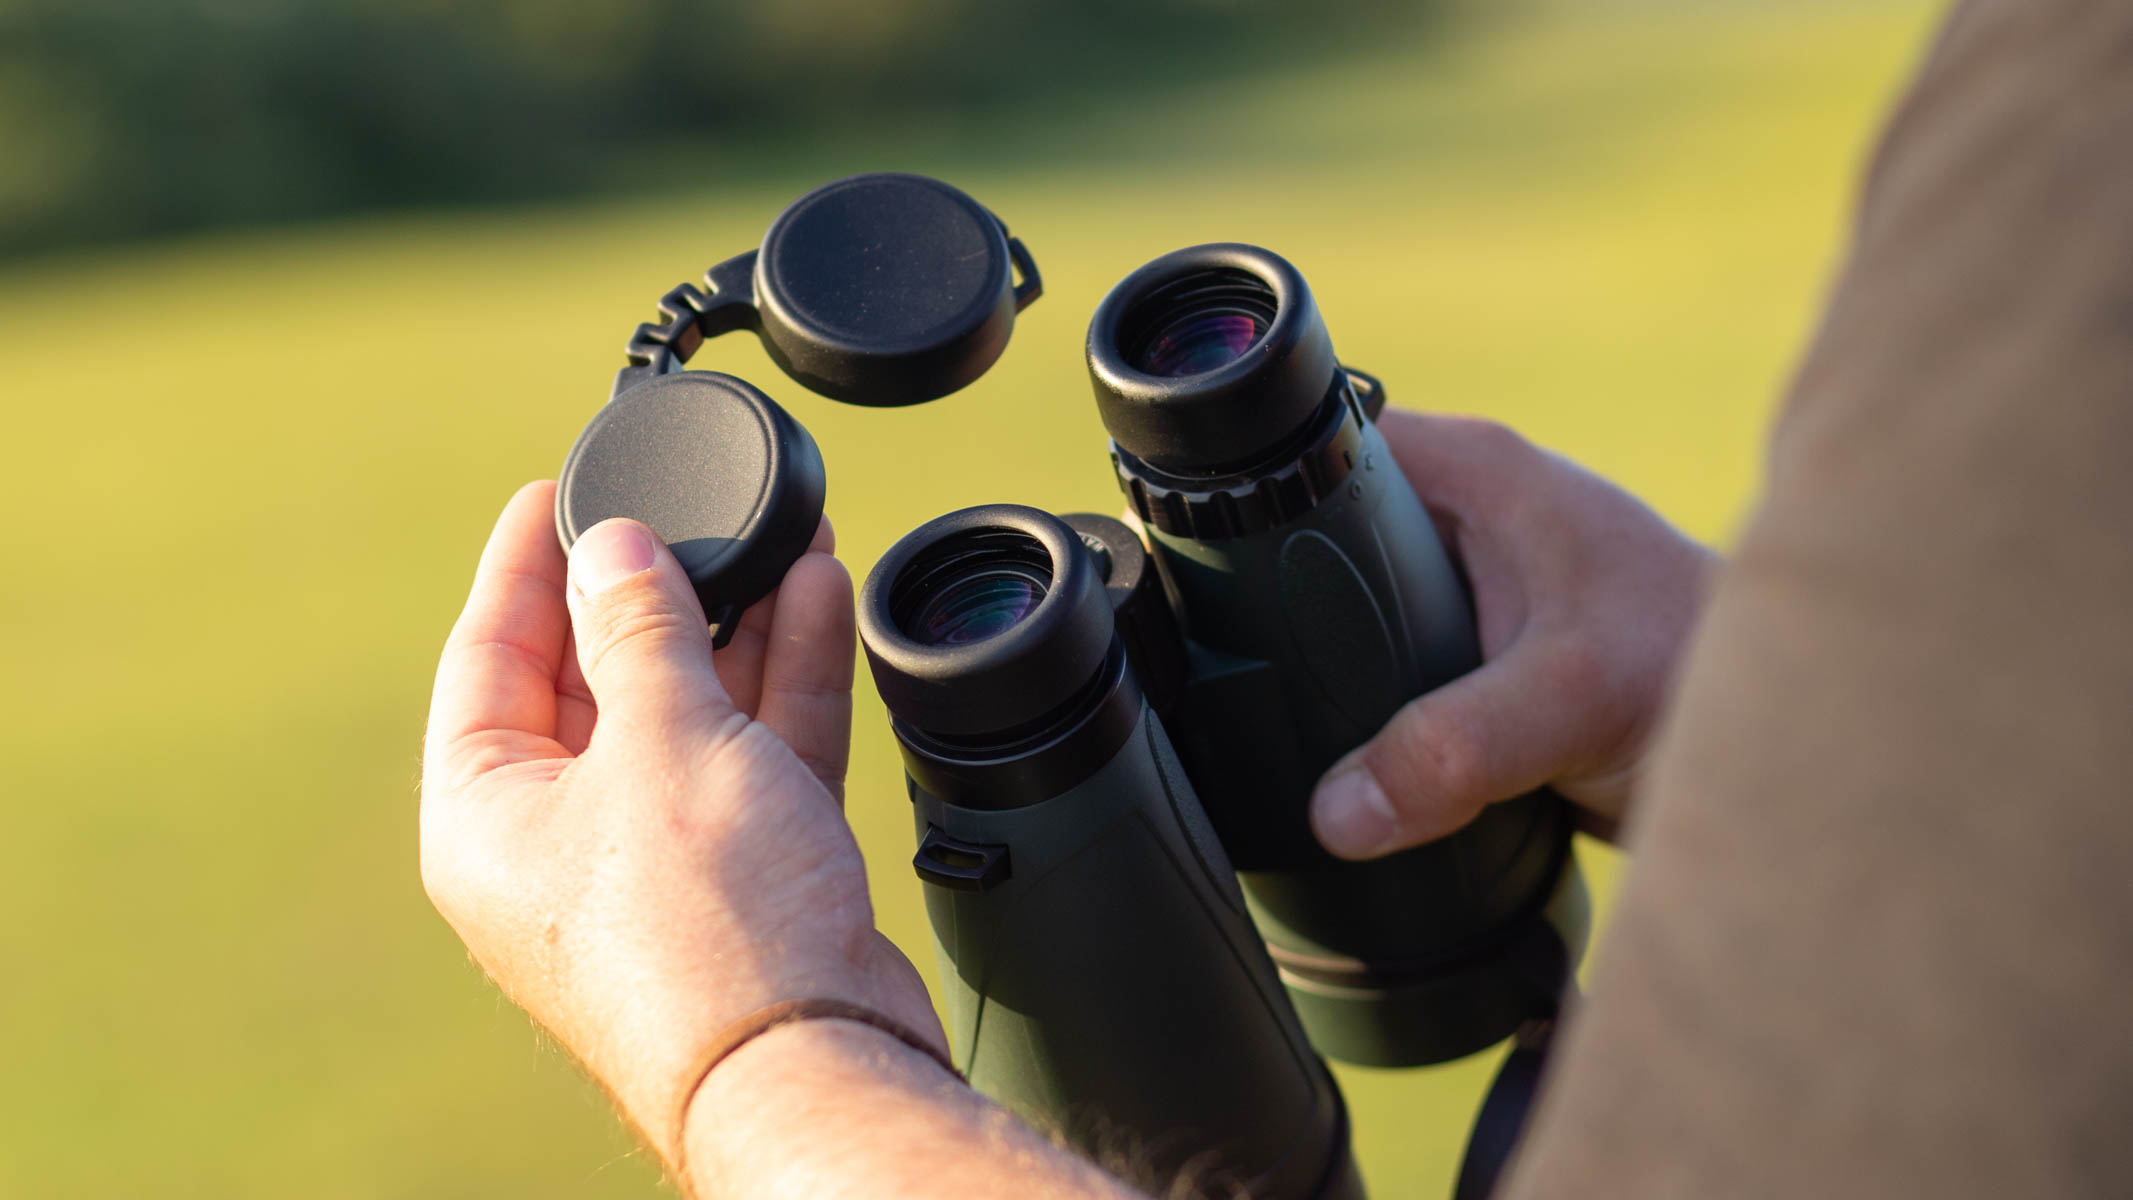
(643, 645)
(740, 661)
(1500, 732)
(807, 670)
(499, 667)
(575, 712)
(1454, 462)
(1494, 502)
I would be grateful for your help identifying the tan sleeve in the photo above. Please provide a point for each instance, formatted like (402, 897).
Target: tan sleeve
(1876, 938)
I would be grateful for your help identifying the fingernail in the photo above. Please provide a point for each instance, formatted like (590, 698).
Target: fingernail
(609, 553)
(1351, 815)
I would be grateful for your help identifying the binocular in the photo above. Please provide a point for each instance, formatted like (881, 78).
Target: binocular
(1110, 732)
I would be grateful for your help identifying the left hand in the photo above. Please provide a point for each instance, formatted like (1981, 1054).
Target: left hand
(1584, 598)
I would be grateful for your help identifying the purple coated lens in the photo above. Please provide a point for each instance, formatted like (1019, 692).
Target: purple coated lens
(1201, 343)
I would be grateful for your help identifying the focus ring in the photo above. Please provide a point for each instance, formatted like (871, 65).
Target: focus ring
(1237, 506)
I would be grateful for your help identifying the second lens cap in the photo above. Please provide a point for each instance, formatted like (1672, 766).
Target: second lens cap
(888, 289)
(722, 474)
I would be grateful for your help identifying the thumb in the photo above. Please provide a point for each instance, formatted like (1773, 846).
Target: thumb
(643, 643)
(1502, 731)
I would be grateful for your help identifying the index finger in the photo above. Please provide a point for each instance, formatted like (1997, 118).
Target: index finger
(501, 662)
(1449, 460)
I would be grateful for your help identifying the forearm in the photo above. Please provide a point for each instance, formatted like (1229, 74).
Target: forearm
(831, 1109)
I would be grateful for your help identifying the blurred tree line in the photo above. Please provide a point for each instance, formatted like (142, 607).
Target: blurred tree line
(122, 118)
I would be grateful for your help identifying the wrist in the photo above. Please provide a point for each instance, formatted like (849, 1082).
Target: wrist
(661, 1047)
(683, 1044)
(802, 1093)
(830, 1109)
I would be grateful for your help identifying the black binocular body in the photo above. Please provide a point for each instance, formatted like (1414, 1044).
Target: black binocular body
(1087, 775)
(1111, 732)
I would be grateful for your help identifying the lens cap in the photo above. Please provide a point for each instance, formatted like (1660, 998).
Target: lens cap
(882, 290)
(722, 474)
(888, 289)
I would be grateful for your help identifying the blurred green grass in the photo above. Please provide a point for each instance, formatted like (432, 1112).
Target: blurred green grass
(250, 475)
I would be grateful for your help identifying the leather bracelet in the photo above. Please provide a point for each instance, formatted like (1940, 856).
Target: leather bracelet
(785, 1012)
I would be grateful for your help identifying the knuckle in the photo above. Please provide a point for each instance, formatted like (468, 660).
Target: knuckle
(1577, 673)
(805, 689)
(1494, 439)
(637, 628)
(737, 742)
(469, 757)
(1447, 757)
(827, 769)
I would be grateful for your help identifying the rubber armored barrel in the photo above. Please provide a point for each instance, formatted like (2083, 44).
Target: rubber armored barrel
(1102, 975)
(1315, 599)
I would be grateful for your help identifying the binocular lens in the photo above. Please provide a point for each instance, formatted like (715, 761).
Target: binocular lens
(1200, 322)
(1200, 343)
(978, 607)
(972, 588)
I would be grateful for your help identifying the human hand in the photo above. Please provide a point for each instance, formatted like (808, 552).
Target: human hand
(639, 840)
(1585, 599)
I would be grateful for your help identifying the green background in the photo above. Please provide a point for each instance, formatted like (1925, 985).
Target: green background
(249, 473)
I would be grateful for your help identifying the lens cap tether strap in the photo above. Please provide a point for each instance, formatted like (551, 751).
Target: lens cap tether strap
(881, 290)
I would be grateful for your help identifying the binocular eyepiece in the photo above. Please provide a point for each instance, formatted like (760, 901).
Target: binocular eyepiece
(981, 624)
(992, 642)
(996, 632)
(1209, 360)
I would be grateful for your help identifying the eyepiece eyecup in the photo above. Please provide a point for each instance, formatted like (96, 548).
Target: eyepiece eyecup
(995, 685)
(1230, 416)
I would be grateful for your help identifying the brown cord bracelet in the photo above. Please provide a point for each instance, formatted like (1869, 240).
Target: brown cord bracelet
(785, 1012)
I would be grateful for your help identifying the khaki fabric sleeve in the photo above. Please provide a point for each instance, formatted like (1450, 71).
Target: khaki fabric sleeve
(1876, 937)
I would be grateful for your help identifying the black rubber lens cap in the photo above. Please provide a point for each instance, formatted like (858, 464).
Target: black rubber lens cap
(722, 474)
(888, 289)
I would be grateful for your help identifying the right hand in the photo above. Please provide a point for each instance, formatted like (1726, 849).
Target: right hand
(1585, 599)
(641, 840)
